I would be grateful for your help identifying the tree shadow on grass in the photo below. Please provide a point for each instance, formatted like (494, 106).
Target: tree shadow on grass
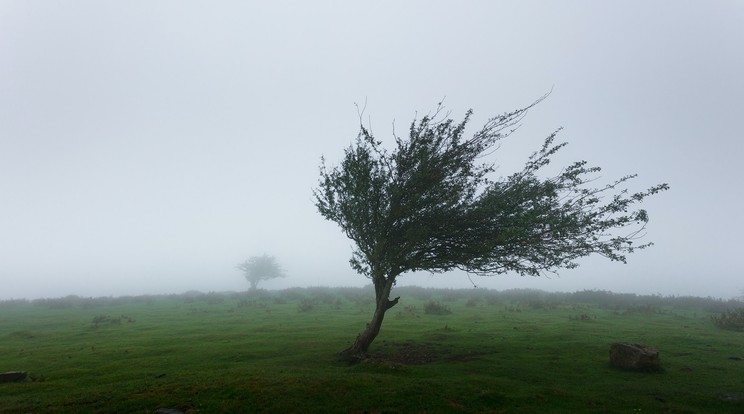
(412, 353)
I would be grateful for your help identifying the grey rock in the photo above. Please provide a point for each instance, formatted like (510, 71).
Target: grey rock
(730, 396)
(168, 411)
(634, 357)
(13, 376)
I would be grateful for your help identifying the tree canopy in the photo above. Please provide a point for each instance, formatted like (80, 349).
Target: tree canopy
(432, 204)
(259, 268)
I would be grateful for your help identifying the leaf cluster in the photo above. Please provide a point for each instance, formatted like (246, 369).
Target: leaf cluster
(431, 204)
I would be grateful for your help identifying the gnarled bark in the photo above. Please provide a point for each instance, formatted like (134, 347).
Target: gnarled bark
(360, 346)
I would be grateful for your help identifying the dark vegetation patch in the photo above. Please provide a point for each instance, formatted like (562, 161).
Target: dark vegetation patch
(436, 308)
(733, 320)
(419, 353)
(413, 353)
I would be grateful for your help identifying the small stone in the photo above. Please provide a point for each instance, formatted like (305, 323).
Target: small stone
(168, 411)
(13, 376)
(634, 357)
(730, 396)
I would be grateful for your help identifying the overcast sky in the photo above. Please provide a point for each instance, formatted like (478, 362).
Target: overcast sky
(150, 146)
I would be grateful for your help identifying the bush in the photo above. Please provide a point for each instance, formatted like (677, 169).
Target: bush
(732, 320)
(306, 305)
(472, 302)
(436, 308)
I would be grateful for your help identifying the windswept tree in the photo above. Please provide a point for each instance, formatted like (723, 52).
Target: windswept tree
(430, 204)
(259, 268)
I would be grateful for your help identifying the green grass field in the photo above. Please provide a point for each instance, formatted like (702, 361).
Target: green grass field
(496, 352)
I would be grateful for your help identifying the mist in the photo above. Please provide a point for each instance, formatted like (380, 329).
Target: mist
(148, 148)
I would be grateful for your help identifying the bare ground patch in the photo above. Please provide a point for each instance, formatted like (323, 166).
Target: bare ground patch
(414, 353)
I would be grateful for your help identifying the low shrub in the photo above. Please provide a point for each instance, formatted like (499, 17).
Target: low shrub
(732, 320)
(306, 305)
(435, 308)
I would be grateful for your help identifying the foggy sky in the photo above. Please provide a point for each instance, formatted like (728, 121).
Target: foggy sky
(149, 147)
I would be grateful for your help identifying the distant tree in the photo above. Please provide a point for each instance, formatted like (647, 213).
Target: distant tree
(429, 205)
(259, 268)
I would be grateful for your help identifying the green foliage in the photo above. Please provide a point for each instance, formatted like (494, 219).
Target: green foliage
(732, 320)
(430, 205)
(259, 268)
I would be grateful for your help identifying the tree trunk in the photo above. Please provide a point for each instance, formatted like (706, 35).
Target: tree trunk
(360, 346)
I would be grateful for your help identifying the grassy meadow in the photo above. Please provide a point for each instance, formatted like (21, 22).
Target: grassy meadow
(439, 351)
